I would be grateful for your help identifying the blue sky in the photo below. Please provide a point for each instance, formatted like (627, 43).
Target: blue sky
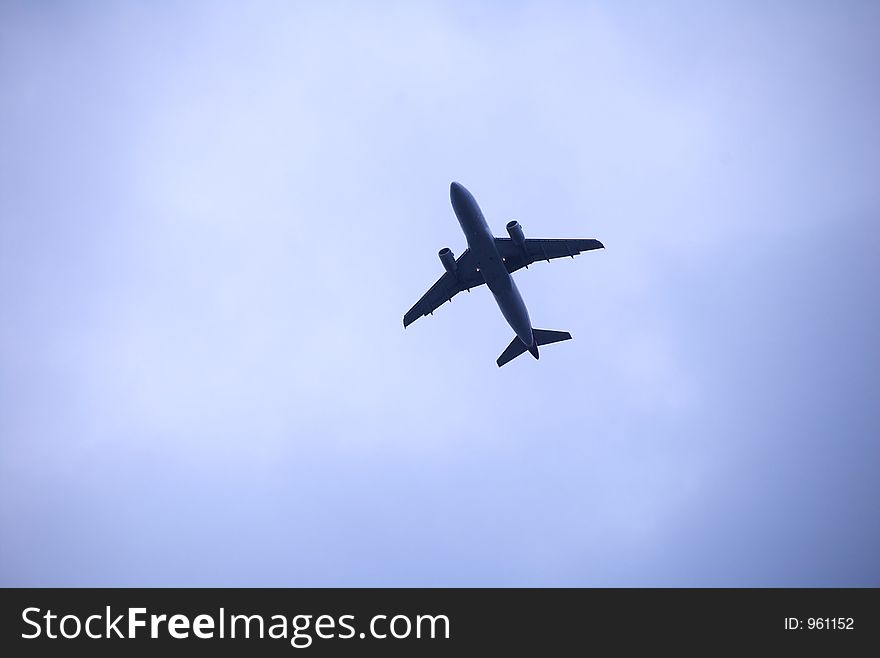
(213, 217)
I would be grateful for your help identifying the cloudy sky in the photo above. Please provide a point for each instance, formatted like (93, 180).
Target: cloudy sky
(214, 215)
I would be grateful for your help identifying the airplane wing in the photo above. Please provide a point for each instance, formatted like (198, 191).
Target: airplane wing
(535, 249)
(448, 286)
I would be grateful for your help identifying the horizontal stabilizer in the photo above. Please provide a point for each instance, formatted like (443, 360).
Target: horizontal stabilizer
(513, 350)
(545, 336)
(542, 337)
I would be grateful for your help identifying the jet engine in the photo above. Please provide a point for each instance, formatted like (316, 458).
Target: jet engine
(514, 230)
(448, 260)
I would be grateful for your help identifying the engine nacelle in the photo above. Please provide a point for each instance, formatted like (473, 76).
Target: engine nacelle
(514, 230)
(448, 260)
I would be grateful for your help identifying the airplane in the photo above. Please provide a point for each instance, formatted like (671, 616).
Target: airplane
(492, 261)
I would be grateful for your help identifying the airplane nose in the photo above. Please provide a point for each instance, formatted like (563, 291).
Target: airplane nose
(456, 192)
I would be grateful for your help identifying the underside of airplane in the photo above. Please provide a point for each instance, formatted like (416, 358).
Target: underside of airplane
(491, 261)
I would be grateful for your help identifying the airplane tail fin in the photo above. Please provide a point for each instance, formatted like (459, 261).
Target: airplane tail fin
(542, 337)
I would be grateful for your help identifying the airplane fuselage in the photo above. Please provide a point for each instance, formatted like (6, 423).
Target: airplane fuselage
(481, 242)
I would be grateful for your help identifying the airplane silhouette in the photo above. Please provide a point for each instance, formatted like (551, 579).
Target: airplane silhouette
(492, 260)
